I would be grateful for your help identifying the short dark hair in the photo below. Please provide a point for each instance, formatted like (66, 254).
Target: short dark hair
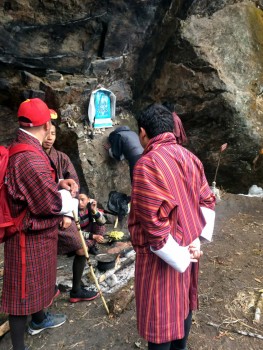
(85, 191)
(155, 120)
(169, 105)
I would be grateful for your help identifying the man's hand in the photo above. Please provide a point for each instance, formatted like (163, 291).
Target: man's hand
(65, 223)
(195, 250)
(98, 238)
(93, 206)
(107, 146)
(70, 185)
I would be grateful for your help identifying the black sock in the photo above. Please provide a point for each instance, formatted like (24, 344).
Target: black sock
(17, 330)
(38, 317)
(78, 268)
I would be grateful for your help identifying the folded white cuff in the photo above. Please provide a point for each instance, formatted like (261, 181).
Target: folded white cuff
(67, 203)
(75, 204)
(174, 255)
(208, 230)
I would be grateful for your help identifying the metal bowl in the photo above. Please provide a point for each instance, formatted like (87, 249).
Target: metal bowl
(105, 261)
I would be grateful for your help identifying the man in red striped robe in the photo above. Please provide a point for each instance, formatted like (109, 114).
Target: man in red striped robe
(172, 206)
(31, 186)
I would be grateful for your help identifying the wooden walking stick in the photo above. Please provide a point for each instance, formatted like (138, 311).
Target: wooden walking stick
(88, 260)
(4, 328)
(222, 149)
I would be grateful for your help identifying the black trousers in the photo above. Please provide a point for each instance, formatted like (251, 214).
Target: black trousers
(178, 344)
(132, 161)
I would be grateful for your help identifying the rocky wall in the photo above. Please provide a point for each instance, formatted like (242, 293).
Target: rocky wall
(204, 56)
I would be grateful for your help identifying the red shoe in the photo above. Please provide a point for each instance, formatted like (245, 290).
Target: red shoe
(57, 292)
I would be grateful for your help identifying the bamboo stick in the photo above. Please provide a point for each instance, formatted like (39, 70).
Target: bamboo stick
(88, 261)
(116, 222)
(4, 328)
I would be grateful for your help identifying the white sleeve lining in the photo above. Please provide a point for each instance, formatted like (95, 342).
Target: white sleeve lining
(75, 204)
(174, 255)
(67, 204)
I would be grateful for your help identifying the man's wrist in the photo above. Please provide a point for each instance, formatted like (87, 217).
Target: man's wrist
(174, 255)
(87, 235)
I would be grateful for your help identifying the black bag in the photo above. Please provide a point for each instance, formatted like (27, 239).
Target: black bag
(118, 203)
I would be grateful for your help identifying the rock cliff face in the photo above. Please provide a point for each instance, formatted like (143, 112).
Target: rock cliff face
(204, 56)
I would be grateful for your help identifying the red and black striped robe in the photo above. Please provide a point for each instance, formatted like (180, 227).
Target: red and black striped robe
(68, 239)
(169, 186)
(30, 185)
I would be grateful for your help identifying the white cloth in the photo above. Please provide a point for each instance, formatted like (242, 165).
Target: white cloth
(174, 255)
(67, 203)
(75, 204)
(208, 230)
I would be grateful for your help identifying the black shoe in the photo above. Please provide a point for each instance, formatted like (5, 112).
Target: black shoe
(93, 250)
(82, 295)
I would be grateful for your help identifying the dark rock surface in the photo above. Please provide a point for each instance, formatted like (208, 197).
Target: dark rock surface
(204, 56)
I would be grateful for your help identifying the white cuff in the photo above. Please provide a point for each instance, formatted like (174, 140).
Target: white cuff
(67, 204)
(174, 255)
(208, 230)
(75, 204)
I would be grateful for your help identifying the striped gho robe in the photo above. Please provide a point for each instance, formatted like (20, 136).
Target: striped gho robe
(68, 239)
(30, 185)
(64, 166)
(169, 186)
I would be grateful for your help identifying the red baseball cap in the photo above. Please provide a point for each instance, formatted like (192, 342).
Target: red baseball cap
(35, 110)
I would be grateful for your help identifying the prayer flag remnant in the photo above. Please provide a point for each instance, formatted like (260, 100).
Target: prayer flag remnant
(223, 147)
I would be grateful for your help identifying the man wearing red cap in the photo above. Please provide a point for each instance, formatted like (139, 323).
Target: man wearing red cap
(32, 187)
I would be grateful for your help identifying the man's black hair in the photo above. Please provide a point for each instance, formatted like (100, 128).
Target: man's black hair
(155, 120)
(169, 105)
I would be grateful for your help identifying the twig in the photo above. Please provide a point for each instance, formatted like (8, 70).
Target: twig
(249, 334)
(222, 148)
(259, 306)
(4, 328)
(229, 322)
(246, 325)
(98, 324)
(76, 344)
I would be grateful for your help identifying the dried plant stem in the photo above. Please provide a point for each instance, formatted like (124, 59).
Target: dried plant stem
(249, 334)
